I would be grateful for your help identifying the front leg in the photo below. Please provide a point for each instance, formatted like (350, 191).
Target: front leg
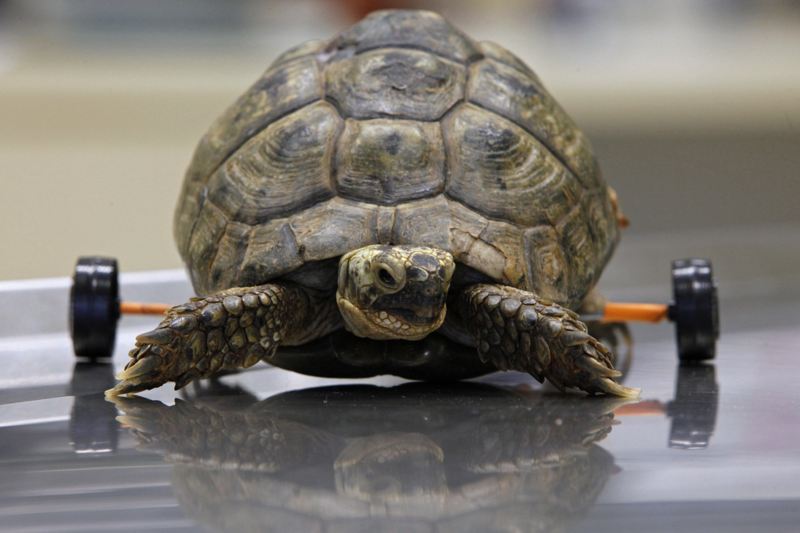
(516, 330)
(232, 329)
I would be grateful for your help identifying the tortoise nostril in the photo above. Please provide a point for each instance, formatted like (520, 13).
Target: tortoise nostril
(386, 277)
(417, 274)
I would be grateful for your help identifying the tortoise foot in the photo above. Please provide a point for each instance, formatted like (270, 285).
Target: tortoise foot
(516, 330)
(232, 329)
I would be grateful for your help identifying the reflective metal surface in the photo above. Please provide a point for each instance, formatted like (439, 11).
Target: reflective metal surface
(708, 448)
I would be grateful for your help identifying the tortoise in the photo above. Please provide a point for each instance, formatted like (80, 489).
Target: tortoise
(397, 180)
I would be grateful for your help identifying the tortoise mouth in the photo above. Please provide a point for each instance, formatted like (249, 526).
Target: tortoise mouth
(412, 317)
(388, 324)
(406, 322)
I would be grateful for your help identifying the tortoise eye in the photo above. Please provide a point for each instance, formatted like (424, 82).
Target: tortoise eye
(386, 277)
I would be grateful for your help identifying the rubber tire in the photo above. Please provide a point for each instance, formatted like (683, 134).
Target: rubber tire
(94, 307)
(695, 310)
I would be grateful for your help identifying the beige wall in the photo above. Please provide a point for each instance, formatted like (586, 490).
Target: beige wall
(95, 168)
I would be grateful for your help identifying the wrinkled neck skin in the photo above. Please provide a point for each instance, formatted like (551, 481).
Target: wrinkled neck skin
(394, 292)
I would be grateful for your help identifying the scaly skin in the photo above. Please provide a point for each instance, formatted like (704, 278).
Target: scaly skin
(516, 330)
(232, 329)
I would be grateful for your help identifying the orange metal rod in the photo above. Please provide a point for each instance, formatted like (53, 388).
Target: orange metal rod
(613, 311)
(141, 308)
(623, 312)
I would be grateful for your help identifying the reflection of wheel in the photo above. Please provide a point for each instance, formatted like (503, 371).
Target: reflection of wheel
(694, 409)
(695, 309)
(94, 306)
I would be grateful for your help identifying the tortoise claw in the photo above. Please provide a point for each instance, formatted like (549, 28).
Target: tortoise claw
(612, 387)
(146, 369)
(158, 337)
(121, 388)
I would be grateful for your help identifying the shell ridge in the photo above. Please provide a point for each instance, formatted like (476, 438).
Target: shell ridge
(217, 248)
(301, 250)
(476, 209)
(303, 50)
(530, 274)
(184, 249)
(406, 46)
(446, 145)
(520, 66)
(335, 104)
(442, 121)
(206, 202)
(393, 224)
(419, 29)
(473, 238)
(446, 162)
(334, 152)
(204, 260)
(240, 269)
(388, 116)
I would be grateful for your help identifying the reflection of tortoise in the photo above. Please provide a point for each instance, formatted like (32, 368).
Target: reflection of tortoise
(462, 457)
(371, 181)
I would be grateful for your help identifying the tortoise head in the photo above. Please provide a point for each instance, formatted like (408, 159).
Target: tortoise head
(394, 292)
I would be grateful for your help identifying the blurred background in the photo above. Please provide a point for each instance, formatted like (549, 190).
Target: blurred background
(693, 107)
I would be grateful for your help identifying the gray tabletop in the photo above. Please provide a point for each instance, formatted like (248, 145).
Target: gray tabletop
(709, 448)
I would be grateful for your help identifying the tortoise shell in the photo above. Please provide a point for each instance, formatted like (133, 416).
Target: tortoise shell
(400, 130)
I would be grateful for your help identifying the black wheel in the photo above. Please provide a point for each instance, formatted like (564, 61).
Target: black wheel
(695, 309)
(94, 307)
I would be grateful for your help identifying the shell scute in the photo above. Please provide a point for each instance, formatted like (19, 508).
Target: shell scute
(414, 29)
(282, 169)
(423, 222)
(521, 98)
(390, 161)
(208, 231)
(333, 228)
(579, 247)
(308, 48)
(602, 223)
(503, 172)
(271, 251)
(498, 53)
(396, 83)
(548, 270)
(280, 90)
(489, 246)
(225, 268)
